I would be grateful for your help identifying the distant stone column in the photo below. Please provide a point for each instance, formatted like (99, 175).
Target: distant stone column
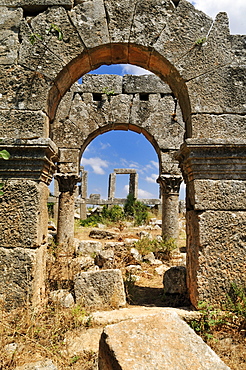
(56, 195)
(65, 225)
(111, 186)
(84, 179)
(133, 185)
(170, 185)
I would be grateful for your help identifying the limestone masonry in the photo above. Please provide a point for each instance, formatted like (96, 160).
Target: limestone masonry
(192, 112)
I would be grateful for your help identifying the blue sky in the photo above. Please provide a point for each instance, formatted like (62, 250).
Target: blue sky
(126, 149)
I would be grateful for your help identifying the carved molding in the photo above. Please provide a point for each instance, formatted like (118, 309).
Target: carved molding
(170, 184)
(67, 182)
(29, 159)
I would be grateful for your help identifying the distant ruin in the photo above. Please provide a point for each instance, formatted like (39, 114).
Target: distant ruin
(193, 114)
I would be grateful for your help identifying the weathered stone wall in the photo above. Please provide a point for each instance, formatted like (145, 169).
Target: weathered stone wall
(46, 45)
(137, 103)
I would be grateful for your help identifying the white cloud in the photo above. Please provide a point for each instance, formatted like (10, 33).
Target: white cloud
(105, 145)
(235, 9)
(96, 164)
(134, 70)
(144, 194)
(141, 193)
(152, 178)
(155, 164)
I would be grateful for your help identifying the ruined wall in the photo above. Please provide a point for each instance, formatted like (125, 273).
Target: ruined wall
(139, 103)
(46, 45)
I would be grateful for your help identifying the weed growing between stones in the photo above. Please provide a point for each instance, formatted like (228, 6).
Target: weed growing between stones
(224, 328)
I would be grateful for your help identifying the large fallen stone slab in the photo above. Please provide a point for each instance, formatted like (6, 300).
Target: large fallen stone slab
(104, 318)
(155, 342)
(100, 289)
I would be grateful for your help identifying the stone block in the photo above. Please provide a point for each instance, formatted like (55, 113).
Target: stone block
(101, 289)
(174, 280)
(99, 83)
(9, 26)
(88, 247)
(89, 18)
(36, 5)
(149, 20)
(23, 214)
(177, 40)
(216, 253)
(50, 51)
(220, 91)
(16, 270)
(149, 114)
(119, 17)
(218, 195)
(146, 84)
(211, 54)
(22, 89)
(9, 47)
(23, 124)
(102, 234)
(219, 126)
(62, 297)
(238, 43)
(157, 341)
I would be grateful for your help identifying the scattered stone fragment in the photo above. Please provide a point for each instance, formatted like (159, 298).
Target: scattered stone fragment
(62, 297)
(87, 247)
(105, 259)
(102, 234)
(133, 268)
(136, 255)
(101, 289)
(174, 280)
(38, 365)
(11, 348)
(150, 257)
(161, 269)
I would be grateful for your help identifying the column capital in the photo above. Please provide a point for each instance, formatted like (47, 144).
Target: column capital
(169, 184)
(67, 181)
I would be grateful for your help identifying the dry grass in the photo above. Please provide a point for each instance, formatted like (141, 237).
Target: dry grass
(40, 334)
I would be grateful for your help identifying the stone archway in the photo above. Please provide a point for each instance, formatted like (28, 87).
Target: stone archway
(45, 49)
(143, 104)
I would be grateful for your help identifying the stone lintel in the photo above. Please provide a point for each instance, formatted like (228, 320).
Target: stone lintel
(170, 184)
(220, 160)
(124, 171)
(67, 182)
(29, 159)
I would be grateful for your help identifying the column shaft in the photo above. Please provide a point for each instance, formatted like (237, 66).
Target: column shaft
(170, 185)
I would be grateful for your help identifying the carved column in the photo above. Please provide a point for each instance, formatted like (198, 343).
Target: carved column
(83, 193)
(65, 225)
(170, 185)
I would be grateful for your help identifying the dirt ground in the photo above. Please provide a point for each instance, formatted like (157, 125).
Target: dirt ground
(43, 337)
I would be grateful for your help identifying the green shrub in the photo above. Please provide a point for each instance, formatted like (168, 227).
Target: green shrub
(136, 210)
(113, 214)
(162, 249)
